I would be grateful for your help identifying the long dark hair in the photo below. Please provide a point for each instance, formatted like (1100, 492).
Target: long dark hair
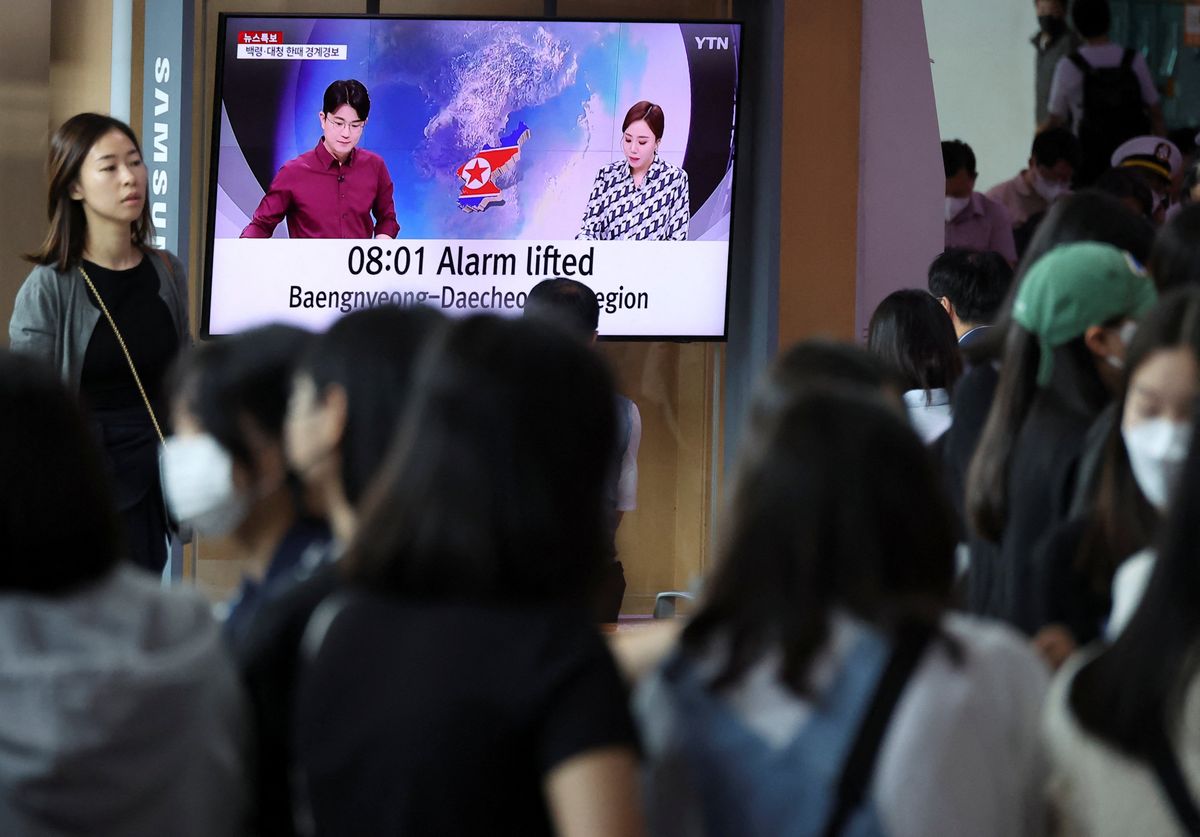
(58, 520)
(912, 333)
(1121, 521)
(819, 362)
(1088, 215)
(837, 504)
(494, 488)
(1175, 259)
(1134, 691)
(372, 355)
(1075, 381)
(69, 147)
(242, 378)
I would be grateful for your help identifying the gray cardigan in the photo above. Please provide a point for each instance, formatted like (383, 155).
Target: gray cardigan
(53, 318)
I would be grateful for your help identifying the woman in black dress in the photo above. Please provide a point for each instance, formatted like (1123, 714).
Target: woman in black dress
(96, 263)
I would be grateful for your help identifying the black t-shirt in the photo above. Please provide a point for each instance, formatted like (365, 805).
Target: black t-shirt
(442, 718)
(145, 322)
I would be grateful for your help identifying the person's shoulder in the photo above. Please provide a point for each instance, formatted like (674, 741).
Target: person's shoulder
(369, 158)
(635, 415)
(1059, 725)
(1102, 55)
(47, 275)
(45, 283)
(613, 170)
(995, 674)
(1140, 64)
(1066, 64)
(559, 640)
(304, 161)
(675, 171)
(178, 611)
(165, 259)
(1001, 190)
(670, 172)
(998, 647)
(280, 621)
(993, 208)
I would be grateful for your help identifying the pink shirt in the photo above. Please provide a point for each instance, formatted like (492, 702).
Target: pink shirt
(1018, 197)
(982, 225)
(322, 198)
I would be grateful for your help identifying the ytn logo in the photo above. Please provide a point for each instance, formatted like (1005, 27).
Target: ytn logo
(712, 42)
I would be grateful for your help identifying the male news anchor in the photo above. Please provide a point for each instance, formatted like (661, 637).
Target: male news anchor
(334, 190)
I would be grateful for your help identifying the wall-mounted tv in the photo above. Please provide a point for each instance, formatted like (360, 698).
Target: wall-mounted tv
(455, 162)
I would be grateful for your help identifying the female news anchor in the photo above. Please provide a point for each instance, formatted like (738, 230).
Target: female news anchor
(643, 197)
(333, 190)
(96, 256)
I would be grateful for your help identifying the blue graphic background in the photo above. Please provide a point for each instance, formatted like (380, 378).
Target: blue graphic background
(441, 90)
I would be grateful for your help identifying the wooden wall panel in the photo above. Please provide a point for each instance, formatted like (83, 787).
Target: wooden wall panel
(25, 100)
(819, 211)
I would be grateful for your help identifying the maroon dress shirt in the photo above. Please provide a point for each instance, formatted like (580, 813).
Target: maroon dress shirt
(322, 198)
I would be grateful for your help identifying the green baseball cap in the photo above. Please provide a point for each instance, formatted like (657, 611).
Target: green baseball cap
(1076, 286)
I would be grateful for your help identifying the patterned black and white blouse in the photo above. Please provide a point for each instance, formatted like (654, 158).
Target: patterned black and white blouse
(655, 211)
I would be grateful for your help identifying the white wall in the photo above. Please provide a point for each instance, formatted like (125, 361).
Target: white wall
(983, 70)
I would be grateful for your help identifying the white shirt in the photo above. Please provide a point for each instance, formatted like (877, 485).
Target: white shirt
(961, 754)
(1066, 91)
(627, 482)
(928, 412)
(1096, 790)
(1129, 583)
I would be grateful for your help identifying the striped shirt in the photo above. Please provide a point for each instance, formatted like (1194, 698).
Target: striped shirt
(655, 211)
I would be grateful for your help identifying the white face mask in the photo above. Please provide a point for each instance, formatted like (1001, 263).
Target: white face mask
(1156, 451)
(1048, 190)
(955, 206)
(197, 480)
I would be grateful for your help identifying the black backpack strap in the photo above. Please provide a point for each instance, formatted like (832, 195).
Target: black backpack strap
(1079, 61)
(857, 770)
(1173, 785)
(1127, 59)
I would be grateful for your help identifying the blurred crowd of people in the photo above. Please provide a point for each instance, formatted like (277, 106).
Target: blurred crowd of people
(954, 593)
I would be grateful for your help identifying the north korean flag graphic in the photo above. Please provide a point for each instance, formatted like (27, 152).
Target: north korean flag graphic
(479, 174)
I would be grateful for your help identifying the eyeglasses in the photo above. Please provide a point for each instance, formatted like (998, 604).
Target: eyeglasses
(342, 124)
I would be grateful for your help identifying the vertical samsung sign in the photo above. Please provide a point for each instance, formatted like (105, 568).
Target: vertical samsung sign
(166, 120)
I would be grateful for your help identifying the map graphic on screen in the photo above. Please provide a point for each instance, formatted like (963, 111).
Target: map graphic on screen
(494, 154)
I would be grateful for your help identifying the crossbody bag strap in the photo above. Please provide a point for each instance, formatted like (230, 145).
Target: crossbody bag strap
(859, 766)
(137, 379)
(1174, 786)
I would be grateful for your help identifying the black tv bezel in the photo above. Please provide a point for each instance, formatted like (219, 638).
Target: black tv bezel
(211, 166)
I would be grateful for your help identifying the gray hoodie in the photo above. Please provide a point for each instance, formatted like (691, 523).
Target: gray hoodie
(119, 714)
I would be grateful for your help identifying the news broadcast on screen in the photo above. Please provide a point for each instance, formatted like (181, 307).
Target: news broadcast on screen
(363, 161)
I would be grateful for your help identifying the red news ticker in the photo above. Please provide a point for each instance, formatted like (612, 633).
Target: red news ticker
(260, 38)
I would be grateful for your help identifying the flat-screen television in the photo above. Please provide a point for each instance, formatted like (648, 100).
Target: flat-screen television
(455, 162)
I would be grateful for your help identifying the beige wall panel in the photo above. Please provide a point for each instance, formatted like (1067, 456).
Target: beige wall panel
(819, 212)
(25, 101)
(80, 57)
(136, 79)
(664, 544)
